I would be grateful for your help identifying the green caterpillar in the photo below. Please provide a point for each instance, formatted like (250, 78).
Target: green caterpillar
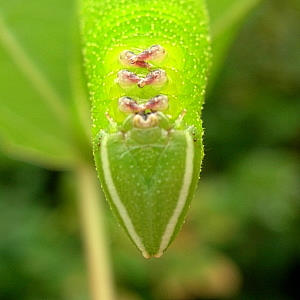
(147, 64)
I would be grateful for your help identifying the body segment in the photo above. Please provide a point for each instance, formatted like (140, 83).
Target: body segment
(156, 172)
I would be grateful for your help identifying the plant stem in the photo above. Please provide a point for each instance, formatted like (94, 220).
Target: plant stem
(92, 221)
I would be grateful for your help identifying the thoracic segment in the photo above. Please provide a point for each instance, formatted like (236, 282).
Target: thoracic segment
(145, 114)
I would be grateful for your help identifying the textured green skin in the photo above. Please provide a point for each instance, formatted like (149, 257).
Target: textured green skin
(111, 26)
(147, 166)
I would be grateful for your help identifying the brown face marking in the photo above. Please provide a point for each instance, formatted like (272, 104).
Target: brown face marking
(128, 58)
(141, 119)
(142, 64)
(128, 105)
(153, 53)
(127, 78)
(157, 77)
(158, 103)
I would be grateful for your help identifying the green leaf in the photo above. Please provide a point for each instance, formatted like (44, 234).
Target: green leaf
(226, 16)
(40, 96)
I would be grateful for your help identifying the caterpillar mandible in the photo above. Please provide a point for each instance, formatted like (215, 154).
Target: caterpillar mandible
(147, 64)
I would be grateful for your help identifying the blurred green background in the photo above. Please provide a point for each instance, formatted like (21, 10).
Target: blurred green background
(241, 238)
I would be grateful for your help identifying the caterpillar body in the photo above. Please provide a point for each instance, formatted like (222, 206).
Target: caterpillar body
(147, 65)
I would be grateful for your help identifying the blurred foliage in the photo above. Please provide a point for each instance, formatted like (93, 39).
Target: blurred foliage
(40, 253)
(44, 108)
(241, 239)
(226, 17)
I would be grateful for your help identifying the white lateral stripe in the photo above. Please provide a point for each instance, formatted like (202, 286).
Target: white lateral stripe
(116, 199)
(186, 183)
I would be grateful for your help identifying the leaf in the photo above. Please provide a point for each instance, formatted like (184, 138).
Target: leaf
(226, 17)
(38, 111)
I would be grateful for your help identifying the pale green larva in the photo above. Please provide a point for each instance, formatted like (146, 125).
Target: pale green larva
(147, 64)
